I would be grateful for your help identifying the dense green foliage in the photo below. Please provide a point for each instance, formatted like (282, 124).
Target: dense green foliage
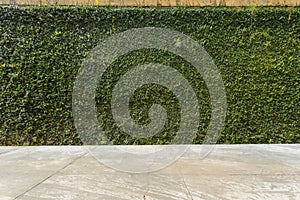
(256, 50)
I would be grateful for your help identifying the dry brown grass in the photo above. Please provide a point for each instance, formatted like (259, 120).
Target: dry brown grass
(156, 2)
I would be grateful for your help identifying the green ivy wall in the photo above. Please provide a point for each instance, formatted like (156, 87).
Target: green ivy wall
(256, 50)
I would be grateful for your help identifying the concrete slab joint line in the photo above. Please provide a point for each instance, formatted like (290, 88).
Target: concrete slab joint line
(228, 172)
(51, 175)
(187, 189)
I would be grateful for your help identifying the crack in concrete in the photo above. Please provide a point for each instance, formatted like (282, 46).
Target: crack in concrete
(185, 185)
(148, 187)
(9, 151)
(51, 175)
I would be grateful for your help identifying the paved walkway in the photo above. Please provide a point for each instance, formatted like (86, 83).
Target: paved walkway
(228, 172)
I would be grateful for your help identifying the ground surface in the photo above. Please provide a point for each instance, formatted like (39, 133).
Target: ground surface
(160, 2)
(228, 172)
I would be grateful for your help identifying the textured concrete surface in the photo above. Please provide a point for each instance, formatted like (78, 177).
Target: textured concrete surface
(228, 172)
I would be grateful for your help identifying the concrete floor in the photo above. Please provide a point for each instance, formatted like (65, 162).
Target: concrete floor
(228, 172)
